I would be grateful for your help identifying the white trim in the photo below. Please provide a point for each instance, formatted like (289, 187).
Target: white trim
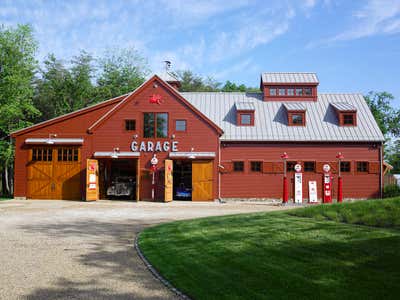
(58, 141)
(195, 154)
(118, 154)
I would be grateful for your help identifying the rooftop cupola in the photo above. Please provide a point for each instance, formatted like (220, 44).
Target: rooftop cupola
(289, 86)
(169, 77)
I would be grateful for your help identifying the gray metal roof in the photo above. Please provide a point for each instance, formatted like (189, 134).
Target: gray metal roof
(271, 118)
(289, 77)
(167, 77)
(294, 106)
(344, 106)
(244, 105)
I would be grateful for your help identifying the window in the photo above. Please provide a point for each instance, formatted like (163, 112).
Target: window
(299, 91)
(180, 125)
(155, 125)
(290, 91)
(308, 91)
(309, 166)
(67, 154)
(345, 166)
(348, 119)
(42, 154)
(255, 166)
(290, 166)
(272, 92)
(297, 119)
(245, 119)
(362, 166)
(281, 92)
(130, 125)
(238, 166)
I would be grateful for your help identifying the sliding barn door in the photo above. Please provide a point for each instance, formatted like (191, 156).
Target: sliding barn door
(168, 192)
(202, 180)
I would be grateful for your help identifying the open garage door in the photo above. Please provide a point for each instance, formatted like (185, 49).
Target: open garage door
(202, 181)
(54, 173)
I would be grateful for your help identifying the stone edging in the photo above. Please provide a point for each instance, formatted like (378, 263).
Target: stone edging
(155, 273)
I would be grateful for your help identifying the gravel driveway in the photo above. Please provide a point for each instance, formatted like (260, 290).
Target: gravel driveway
(79, 250)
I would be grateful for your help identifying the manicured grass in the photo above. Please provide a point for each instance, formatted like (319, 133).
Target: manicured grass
(379, 213)
(276, 256)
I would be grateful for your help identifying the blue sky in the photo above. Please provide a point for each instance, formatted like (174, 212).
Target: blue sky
(354, 46)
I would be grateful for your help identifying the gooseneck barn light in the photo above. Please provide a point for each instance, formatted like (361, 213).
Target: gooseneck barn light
(50, 140)
(115, 153)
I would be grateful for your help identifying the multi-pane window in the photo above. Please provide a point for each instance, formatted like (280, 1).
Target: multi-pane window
(299, 91)
(297, 119)
(308, 91)
(348, 119)
(42, 154)
(180, 125)
(67, 154)
(362, 166)
(130, 125)
(345, 166)
(255, 166)
(309, 166)
(290, 166)
(238, 166)
(272, 92)
(155, 125)
(245, 119)
(290, 91)
(282, 91)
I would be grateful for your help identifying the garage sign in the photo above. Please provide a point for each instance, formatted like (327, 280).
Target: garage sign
(150, 146)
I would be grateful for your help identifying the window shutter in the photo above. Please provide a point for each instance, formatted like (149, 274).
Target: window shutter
(268, 167)
(373, 167)
(227, 167)
(319, 167)
(278, 167)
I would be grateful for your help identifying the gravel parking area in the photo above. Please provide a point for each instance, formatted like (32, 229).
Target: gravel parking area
(79, 250)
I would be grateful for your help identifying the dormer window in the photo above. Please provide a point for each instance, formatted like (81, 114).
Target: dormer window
(296, 114)
(346, 113)
(245, 113)
(272, 92)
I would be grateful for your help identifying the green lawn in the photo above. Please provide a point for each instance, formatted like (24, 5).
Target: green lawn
(281, 255)
(4, 199)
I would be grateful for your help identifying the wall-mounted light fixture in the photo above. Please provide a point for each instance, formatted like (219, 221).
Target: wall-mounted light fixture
(115, 153)
(155, 85)
(50, 140)
(135, 136)
(172, 136)
(192, 156)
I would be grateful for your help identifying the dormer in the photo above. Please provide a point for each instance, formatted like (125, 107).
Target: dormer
(245, 113)
(346, 113)
(296, 114)
(289, 86)
(171, 79)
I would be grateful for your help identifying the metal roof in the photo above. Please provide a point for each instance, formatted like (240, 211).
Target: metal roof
(344, 106)
(244, 106)
(168, 77)
(294, 106)
(289, 77)
(271, 118)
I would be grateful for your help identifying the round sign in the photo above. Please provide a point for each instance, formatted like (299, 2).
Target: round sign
(326, 168)
(154, 160)
(297, 168)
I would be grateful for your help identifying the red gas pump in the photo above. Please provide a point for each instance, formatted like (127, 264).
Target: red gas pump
(327, 184)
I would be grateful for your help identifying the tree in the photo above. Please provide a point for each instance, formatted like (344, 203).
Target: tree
(60, 90)
(17, 66)
(121, 72)
(386, 116)
(392, 155)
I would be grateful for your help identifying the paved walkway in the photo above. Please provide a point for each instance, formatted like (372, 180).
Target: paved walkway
(79, 250)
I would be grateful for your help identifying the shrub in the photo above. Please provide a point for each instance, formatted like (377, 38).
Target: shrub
(391, 190)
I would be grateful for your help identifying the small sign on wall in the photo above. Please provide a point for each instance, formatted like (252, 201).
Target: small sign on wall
(312, 190)
(298, 187)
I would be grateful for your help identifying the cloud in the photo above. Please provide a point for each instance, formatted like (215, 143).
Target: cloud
(376, 17)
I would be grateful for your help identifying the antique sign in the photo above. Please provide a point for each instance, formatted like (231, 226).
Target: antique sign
(312, 190)
(298, 187)
(158, 146)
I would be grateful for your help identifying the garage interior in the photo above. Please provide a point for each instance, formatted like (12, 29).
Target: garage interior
(182, 184)
(118, 179)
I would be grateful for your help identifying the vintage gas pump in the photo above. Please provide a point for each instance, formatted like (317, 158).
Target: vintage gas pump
(327, 197)
(154, 162)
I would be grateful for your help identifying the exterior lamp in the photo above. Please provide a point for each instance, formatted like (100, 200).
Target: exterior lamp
(49, 140)
(115, 153)
(192, 156)
(285, 197)
(340, 157)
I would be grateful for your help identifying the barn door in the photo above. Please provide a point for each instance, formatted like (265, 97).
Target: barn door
(168, 180)
(202, 180)
(92, 180)
(138, 179)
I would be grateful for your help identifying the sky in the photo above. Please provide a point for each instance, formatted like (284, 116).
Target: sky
(353, 46)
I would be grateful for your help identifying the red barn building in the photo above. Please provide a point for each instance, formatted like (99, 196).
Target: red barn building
(209, 145)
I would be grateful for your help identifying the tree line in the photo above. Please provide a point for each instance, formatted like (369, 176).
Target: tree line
(33, 91)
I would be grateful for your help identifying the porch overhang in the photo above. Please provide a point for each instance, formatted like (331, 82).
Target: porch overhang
(192, 155)
(112, 154)
(55, 141)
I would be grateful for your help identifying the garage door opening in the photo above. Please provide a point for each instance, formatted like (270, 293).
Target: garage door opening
(118, 179)
(182, 185)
